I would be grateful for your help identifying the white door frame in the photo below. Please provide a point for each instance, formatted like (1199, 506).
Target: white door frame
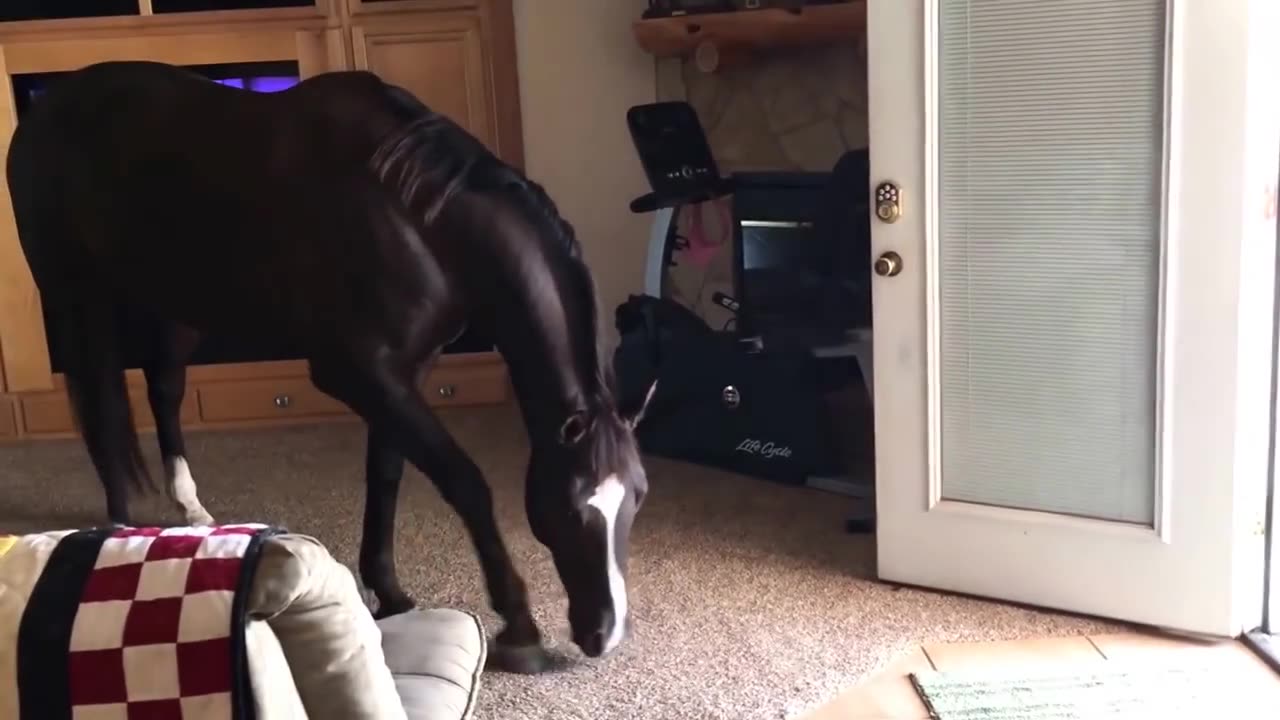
(1270, 622)
(1199, 568)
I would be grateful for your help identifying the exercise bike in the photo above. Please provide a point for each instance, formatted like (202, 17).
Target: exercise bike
(724, 409)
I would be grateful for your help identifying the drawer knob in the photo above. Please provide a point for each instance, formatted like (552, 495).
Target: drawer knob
(448, 391)
(283, 401)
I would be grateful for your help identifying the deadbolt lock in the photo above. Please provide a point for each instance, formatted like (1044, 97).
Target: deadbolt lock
(888, 202)
(888, 264)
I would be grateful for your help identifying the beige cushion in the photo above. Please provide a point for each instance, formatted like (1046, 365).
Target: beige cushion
(274, 693)
(436, 657)
(333, 646)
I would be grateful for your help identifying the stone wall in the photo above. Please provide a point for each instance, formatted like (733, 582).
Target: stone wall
(787, 110)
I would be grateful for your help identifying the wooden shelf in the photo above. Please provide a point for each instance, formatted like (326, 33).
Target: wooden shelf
(749, 30)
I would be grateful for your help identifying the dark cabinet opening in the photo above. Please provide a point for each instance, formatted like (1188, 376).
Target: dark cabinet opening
(13, 10)
(177, 6)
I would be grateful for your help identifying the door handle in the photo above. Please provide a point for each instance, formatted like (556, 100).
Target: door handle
(888, 264)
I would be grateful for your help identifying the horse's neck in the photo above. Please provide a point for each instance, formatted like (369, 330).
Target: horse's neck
(539, 320)
(540, 346)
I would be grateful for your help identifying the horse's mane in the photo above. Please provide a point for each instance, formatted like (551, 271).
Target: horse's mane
(430, 160)
(427, 158)
(580, 293)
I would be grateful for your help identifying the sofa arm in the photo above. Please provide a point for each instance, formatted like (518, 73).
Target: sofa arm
(331, 643)
(436, 657)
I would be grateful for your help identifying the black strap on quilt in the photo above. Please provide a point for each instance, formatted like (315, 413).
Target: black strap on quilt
(44, 635)
(242, 702)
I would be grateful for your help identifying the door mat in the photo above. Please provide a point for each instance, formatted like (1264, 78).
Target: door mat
(1103, 691)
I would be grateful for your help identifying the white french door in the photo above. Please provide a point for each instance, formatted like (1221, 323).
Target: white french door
(1073, 324)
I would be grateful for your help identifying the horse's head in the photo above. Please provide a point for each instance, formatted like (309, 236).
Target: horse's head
(583, 492)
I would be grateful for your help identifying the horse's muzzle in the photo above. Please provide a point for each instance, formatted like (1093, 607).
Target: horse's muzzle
(592, 645)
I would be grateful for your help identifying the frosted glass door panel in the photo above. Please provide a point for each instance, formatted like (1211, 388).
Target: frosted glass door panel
(1050, 152)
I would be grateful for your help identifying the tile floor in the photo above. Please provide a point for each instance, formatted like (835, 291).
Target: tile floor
(889, 694)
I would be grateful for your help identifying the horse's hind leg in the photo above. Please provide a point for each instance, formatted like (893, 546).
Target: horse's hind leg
(398, 414)
(166, 372)
(94, 375)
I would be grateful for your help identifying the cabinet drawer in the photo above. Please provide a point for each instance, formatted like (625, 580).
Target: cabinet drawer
(268, 399)
(265, 400)
(466, 385)
(44, 413)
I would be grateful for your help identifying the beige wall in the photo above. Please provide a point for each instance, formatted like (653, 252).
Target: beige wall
(579, 71)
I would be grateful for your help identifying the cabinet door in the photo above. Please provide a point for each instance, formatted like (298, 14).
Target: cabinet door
(24, 362)
(439, 57)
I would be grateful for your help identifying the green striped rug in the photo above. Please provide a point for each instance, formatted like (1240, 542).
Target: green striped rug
(1105, 691)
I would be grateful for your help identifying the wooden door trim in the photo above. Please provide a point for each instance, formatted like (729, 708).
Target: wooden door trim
(177, 48)
(320, 51)
(142, 24)
(363, 8)
(502, 62)
(22, 333)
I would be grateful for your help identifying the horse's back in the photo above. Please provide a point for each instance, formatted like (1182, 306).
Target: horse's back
(135, 131)
(175, 187)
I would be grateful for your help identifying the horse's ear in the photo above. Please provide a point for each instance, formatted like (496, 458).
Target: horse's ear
(573, 429)
(633, 413)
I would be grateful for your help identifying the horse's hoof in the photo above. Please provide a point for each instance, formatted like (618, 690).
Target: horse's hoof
(520, 659)
(199, 518)
(394, 606)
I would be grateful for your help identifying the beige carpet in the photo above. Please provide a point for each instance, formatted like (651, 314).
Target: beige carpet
(751, 601)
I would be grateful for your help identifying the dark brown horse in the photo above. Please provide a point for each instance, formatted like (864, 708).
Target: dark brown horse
(369, 232)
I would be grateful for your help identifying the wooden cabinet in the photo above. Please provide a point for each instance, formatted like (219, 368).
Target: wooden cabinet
(439, 58)
(264, 399)
(8, 419)
(457, 56)
(49, 413)
(366, 8)
(266, 394)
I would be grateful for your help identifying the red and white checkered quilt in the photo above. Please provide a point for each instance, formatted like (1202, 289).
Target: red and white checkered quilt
(157, 629)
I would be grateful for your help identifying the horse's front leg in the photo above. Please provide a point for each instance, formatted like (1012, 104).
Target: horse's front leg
(384, 467)
(400, 417)
(430, 447)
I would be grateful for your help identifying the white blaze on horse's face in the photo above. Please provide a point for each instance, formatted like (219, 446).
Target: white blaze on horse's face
(607, 500)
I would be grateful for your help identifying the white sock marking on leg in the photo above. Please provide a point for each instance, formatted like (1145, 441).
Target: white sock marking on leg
(608, 500)
(183, 488)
